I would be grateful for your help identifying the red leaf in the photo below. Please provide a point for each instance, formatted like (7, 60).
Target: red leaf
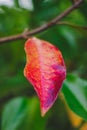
(45, 69)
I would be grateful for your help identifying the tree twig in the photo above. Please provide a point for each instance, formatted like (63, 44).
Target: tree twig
(43, 27)
(73, 25)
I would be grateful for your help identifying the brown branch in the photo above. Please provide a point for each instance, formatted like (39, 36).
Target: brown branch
(43, 27)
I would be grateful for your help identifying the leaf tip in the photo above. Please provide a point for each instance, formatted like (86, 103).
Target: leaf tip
(44, 111)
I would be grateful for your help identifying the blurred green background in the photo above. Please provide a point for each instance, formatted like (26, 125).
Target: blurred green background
(19, 105)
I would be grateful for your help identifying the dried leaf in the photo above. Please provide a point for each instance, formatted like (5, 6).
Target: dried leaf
(45, 69)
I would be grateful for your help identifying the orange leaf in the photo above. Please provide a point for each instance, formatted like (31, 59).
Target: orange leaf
(45, 69)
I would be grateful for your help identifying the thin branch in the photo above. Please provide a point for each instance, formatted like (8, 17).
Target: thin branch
(79, 27)
(43, 27)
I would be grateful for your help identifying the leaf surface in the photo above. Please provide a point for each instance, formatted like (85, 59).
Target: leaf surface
(75, 93)
(22, 114)
(45, 69)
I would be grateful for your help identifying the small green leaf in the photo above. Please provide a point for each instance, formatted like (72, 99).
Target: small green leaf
(75, 92)
(22, 114)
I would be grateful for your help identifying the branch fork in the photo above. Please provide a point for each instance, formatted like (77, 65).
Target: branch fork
(26, 34)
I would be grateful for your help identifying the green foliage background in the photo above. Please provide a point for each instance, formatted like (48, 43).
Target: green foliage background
(19, 106)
